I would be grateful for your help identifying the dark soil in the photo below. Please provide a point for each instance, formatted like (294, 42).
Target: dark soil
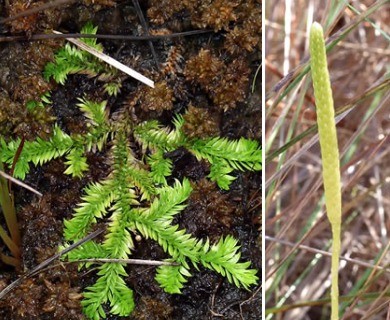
(222, 103)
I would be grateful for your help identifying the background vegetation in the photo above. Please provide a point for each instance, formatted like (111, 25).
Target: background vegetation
(297, 231)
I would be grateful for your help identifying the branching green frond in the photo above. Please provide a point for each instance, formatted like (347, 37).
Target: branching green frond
(141, 179)
(224, 257)
(94, 111)
(97, 115)
(110, 287)
(160, 167)
(176, 137)
(151, 135)
(173, 240)
(39, 151)
(170, 201)
(219, 172)
(88, 250)
(70, 60)
(76, 163)
(122, 156)
(118, 241)
(96, 138)
(112, 88)
(242, 154)
(98, 197)
(172, 278)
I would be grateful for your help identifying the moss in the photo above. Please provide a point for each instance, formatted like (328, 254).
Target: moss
(209, 212)
(157, 99)
(245, 36)
(37, 298)
(216, 14)
(152, 309)
(44, 19)
(240, 19)
(233, 85)
(201, 123)
(225, 84)
(204, 69)
(30, 87)
(16, 120)
(23, 24)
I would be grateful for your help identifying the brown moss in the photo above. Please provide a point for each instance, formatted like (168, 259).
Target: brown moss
(97, 3)
(201, 123)
(10, 113)
(39, 21)
(209, 212)
(152, 309)
(173, 63)
(241, 19)
(30, 87)
(233, 85)
(16, 119)
(62, 301)
(36, 298)
(24, 24)
(40, 53)
(161, 11)
(225, 84)
(203, 68)
(216, 14)
(245, 36)
(155, 99)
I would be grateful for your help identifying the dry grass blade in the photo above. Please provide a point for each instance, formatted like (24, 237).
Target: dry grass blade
(328, 254)
(20, 183)
(116, 64)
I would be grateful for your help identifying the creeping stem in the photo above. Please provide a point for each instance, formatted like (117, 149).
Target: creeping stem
(329, 150)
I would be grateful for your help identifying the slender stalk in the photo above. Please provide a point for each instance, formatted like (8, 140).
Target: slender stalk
(9, 243)
(329, 151)
(9, 213)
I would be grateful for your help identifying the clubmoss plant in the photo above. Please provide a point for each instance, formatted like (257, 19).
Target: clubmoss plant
(138, 197)
(329, 150)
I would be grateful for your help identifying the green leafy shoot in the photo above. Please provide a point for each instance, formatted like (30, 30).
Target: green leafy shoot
(76, 162)
(90, 29)
(73, 147)
(224, 257)
(224, 155)
(160, 167)
(71, 60)
(38, 152)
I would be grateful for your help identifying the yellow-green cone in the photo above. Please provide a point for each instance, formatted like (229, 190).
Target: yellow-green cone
(329, 150)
